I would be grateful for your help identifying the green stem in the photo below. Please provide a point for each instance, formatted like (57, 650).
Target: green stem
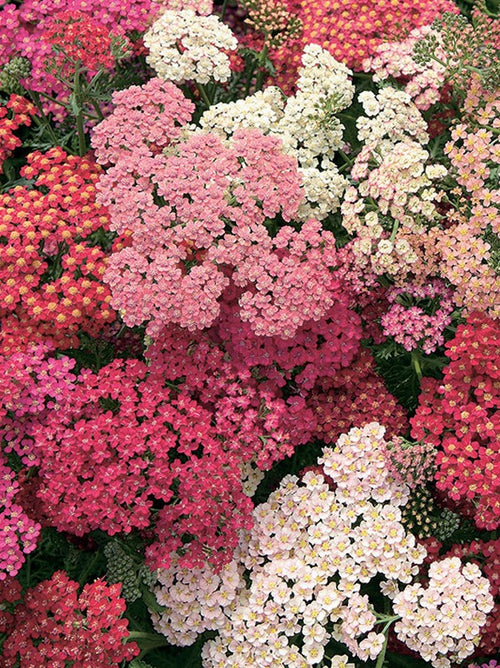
(395, 228)
(381, 656)
(39, 94)
(387, 618)
(100, 115)
(43, 121)
(82, 144)
(88, 568)
(416, 365)
(347, 116)
(28, 570)
(146, 641)
(223, 10)
(259, 79)
(203, 94)
(345, 158)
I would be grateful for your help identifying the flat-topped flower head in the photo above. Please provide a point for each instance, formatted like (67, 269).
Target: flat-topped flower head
(186, 47)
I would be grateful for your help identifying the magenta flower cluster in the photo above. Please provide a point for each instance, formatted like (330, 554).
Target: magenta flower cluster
(18, 533)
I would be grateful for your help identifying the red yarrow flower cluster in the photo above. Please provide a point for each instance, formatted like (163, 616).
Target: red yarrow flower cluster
(355, 396)
(54, 626)
(51, 265)
(460, 415)
(15, 113)
(248, 416)
(77, 40)
(122, 448)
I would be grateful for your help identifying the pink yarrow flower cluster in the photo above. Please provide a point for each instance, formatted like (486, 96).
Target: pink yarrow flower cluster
(394, 59)
(412, 321)
(18, 533)
(199, 213)
(32, 384)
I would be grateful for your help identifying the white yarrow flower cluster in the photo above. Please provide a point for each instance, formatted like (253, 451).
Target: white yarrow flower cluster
(195, 600)
(391, 114)
(442, 621)
(261, 111)
(392, 171)
(309, 126)
(186, 47)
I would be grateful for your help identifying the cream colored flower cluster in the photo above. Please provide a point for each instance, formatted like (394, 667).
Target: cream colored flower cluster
(262, 110)
(309, 552)
(305, 122)
(391, 114)
(393, 196)
(186, 47)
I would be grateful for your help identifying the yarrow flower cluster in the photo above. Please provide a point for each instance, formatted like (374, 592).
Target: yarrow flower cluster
(32, 384)
(194, 600)
(460, 416)
(106, 455)
(52, 266)
(486, 555)
(272, 19)
(54, 625)
(411, 323)
(442, 621)
(395, 60)
(355, 395)
(394, 196)
(78, 39)
(64, 43)
(16, 112)
(314, 542)
(183, 46)
(18, 533)
(59, 41)
(216, 198)
(305, 122)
